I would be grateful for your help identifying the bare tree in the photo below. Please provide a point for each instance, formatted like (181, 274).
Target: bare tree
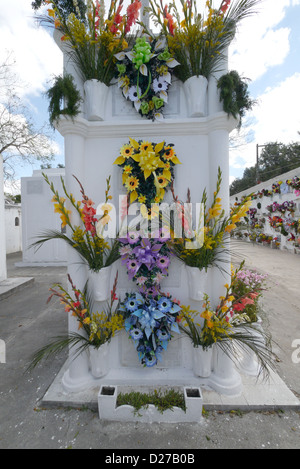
(20, 142)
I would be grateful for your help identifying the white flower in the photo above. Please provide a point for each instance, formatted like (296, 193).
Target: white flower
(160, 84)
(134, 93)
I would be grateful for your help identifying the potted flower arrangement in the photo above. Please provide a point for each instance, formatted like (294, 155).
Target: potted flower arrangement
(87, 240)
(247, 281)
(225, 325)
(92, 41)
(95, 330)
(198, 41)
(206, 245)
(150, 322)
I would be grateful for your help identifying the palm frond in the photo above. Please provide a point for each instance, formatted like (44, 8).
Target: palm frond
(246, 337)
(48, 235)
(56, 346)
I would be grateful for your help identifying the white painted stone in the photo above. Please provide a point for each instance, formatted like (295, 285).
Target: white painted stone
(108, 410)
(201, 144)
(38, 216)
(3, 271)
(13, 228)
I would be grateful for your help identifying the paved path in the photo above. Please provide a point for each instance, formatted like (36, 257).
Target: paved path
(26, 322)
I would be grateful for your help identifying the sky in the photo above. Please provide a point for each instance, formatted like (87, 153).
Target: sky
(266, 50)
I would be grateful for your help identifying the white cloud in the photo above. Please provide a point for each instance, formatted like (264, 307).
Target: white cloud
(37, 57)
(276, 119)
(259, 44)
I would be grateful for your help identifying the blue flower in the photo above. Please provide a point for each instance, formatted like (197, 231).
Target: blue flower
(164, 304)
(136, 333)
(150, 361)
(134, 302)
(162, 334)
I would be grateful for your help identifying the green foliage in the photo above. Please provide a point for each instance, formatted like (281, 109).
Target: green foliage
(275, 159)
(235, 95)
(64, 89)
(161, 400)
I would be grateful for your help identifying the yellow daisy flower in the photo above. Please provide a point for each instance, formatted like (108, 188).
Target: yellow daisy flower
(126, 150)
(146, 147)
(170, 155)
(162, 181)
(127, 169)
(142, 199)
(132, 183)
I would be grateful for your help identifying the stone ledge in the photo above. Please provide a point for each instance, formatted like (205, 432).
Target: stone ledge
(12, 285)
(257, 394)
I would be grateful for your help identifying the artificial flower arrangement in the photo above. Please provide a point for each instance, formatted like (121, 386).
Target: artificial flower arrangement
(294, 183)
(264, 238)
(147, 170)
(276, 187)
(287, 206)
(150, 322)
(235, 95)
(276, 241)
(228, 323)
(147, 260)
(279, 224)
(247, 281)
(94, 329)
(88, 239)
(198, 41)
(145, 74)
(206, 244)
(64, 91)
(92, 39)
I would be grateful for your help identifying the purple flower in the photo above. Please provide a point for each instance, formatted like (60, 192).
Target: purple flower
(132, 267)
(146, 253)
(163, 263)
(149, 291)
(131, 238)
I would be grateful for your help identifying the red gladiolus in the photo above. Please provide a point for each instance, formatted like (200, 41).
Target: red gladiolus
(225, 5)
(171, 23)
(133, 11)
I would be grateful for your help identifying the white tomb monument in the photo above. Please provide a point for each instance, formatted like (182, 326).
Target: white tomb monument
(202, 145)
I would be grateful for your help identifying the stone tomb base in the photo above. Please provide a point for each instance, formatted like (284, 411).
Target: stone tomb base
(254, 394)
